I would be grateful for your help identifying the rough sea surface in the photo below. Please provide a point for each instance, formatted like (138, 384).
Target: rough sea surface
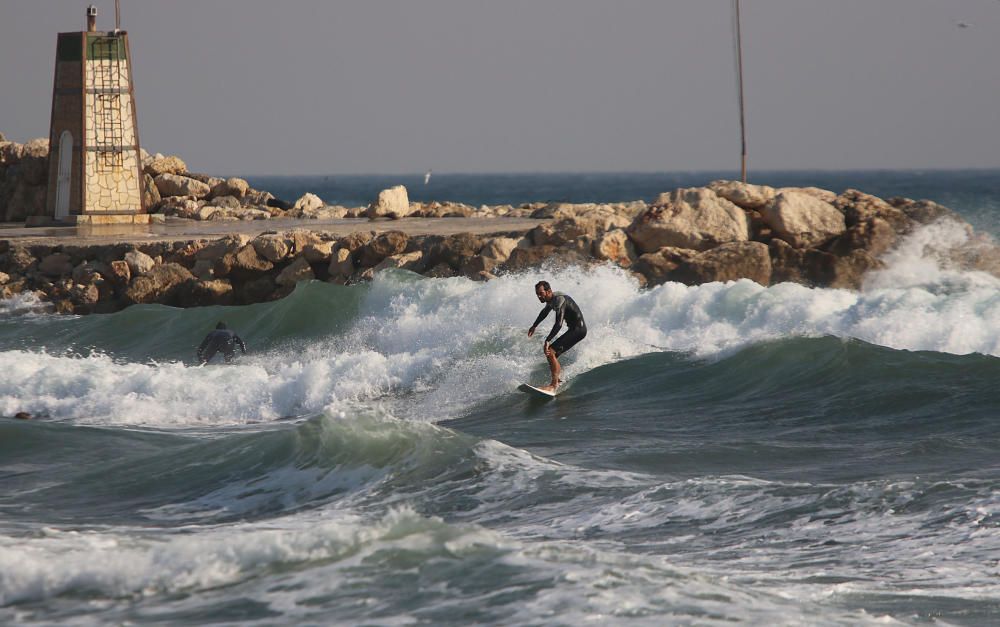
(720, 453)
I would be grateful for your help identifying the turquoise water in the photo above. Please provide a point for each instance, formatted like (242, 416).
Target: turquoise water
(720, 453)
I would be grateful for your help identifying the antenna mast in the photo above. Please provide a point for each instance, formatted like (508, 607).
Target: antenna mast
(118, 17)
(739, 82)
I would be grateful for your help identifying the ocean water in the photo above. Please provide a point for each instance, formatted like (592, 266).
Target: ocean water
(975, 193)
(720, 453)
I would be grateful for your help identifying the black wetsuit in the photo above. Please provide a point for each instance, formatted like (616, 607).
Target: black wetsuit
(220, 340)
(566, 311)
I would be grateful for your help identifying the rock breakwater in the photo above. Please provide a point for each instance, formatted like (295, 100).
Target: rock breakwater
(723, 231)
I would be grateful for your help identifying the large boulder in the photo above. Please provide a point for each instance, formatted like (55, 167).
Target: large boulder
(326, 212)
(858, 207)
(139, 263)
(629, 209)
(246, 213)
(392, 203)
(298, 270)
(384, 245)
(803, 220)
(452, 250)
(875, 235)
(816, 192)
(313, 246)
(208, 212)
(921, 211)
(586, 224)
(693, 218)
(179, 206)
(442, 210)
(120, 274)
(151, 193)
(495, 252)
(226, 202)
(814, 267)
(164, 165)
(743, 195)
(342, 263)
(235, 187)
(272, 246)
(257, 197)
(84, 297)
(175, 185)
(308, 202)
(560, 210)
(203, 269)
(405, 261)
(525, 258)
(658, 267)
(88, 272)
(616, 247)
(846, 272)
(160, 285)
(563, 210)
(248, 262)
(317, 252)
(56, 265)
(205, 293)
(726, 262)
(219, 256)
(498, 248)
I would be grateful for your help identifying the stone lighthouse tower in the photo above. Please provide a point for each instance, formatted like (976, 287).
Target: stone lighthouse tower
(95, 169)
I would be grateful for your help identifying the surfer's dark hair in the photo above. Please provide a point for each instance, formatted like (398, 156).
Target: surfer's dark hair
(544, 285)
(221, 325)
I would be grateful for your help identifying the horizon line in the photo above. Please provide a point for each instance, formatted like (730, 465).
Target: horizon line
(632, 172)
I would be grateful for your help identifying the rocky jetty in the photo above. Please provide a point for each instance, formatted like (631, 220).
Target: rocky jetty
(725, 231)
(721, 232)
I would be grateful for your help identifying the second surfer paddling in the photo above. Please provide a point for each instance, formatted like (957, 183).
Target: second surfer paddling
(566, 311)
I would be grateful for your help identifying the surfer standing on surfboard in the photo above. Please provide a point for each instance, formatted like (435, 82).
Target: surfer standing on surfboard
(566, 311)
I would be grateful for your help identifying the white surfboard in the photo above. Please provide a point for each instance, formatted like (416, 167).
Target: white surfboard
(530, 389)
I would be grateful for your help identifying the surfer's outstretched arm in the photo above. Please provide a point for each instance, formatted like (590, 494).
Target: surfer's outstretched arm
(539, 319)
(239, 340)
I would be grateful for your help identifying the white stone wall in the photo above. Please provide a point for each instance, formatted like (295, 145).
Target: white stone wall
(112, 179)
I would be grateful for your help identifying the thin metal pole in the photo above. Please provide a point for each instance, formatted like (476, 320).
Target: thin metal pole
(118, 16)
(739, 80)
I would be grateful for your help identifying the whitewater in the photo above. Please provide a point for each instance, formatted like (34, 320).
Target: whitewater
(721, 452)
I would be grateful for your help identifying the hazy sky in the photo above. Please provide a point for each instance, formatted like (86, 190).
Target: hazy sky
(386, 86)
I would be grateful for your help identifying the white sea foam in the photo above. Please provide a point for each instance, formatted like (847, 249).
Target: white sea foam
(23, 304)
(444, 344)
(303, 565)
(124, 562)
